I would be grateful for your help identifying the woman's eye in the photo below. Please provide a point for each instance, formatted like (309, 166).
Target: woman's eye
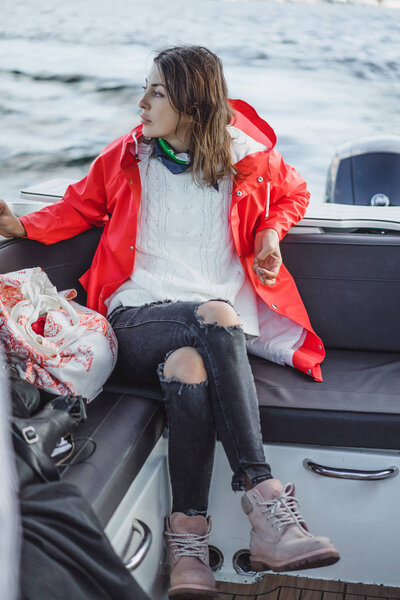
(156, 93)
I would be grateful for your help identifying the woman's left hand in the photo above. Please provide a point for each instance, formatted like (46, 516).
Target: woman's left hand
(267, 253)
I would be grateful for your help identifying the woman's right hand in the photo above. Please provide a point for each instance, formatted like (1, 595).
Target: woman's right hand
(10, 225)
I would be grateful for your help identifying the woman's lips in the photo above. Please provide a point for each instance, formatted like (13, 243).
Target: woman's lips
(144, 120)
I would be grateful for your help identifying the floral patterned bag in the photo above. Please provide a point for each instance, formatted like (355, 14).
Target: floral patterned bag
(52, 341)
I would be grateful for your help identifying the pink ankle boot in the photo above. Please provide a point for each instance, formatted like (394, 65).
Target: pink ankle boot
(279, 537)
(191, 576)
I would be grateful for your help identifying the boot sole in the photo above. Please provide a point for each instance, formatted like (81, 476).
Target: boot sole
(307, 561)
(191, 593)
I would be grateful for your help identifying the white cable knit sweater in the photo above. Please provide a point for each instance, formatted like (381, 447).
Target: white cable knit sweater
(184, 245)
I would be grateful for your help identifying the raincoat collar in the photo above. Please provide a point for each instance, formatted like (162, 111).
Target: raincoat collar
(244, 118)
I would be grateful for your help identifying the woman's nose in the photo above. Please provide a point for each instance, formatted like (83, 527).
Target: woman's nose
(142, 102)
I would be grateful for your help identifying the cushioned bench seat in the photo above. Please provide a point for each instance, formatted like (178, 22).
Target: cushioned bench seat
(357, 405)
(125, 428)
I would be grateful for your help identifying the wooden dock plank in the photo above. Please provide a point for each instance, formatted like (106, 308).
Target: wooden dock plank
(370, 592)
(285, 587)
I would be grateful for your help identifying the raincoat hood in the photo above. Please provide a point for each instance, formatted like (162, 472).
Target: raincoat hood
(247, 119)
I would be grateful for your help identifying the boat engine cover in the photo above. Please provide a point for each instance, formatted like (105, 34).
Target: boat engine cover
(366, 173)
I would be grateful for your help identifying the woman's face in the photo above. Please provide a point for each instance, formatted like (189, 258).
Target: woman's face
(159, 117)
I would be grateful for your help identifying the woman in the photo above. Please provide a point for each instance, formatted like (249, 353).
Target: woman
(194, 203)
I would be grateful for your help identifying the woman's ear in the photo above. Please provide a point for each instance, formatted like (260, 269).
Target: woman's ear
(187, 119)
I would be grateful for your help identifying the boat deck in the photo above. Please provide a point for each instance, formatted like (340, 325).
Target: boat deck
(283, 587)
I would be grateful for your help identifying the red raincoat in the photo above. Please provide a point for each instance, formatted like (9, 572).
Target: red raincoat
(272, 196)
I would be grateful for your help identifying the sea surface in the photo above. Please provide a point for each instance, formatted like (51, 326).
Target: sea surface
(71, 72)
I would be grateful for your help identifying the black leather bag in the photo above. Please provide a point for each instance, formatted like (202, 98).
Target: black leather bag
(25, 397)
(35, 435)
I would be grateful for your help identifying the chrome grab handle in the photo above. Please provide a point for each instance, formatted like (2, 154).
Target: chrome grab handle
(137, 558)
(349, 473)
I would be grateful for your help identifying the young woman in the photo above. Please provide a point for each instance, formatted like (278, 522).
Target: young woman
(194, 202)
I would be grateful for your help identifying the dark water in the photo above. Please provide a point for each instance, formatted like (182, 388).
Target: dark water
(70, 75)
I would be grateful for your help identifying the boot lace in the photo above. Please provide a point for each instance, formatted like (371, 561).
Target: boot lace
(283, 510)
(188, 544)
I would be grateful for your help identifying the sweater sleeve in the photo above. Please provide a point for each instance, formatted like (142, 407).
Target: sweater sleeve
(83, 206)
(289, 197)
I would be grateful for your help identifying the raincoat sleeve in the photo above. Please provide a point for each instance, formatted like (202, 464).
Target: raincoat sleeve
(288, 199)
(83, 206)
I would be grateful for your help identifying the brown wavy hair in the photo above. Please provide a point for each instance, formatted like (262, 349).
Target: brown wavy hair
(197, 88)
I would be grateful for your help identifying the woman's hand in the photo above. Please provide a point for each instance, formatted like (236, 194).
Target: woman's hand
(268, 259)
(10, 225)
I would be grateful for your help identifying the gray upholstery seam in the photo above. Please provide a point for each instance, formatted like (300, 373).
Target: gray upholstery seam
(65, 265)
(324, 389)
(340, 411)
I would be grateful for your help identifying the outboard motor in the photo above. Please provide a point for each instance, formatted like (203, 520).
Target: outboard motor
(366, 173)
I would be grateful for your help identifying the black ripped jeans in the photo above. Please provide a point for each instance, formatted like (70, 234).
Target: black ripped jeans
(225, 404)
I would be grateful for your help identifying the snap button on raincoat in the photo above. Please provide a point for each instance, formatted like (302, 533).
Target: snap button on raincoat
(272, 195)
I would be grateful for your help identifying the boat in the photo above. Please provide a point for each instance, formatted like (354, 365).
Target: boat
(337, 440)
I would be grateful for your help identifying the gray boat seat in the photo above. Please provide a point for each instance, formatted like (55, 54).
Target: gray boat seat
(350, 284)
(125, 427)
(357, 405)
